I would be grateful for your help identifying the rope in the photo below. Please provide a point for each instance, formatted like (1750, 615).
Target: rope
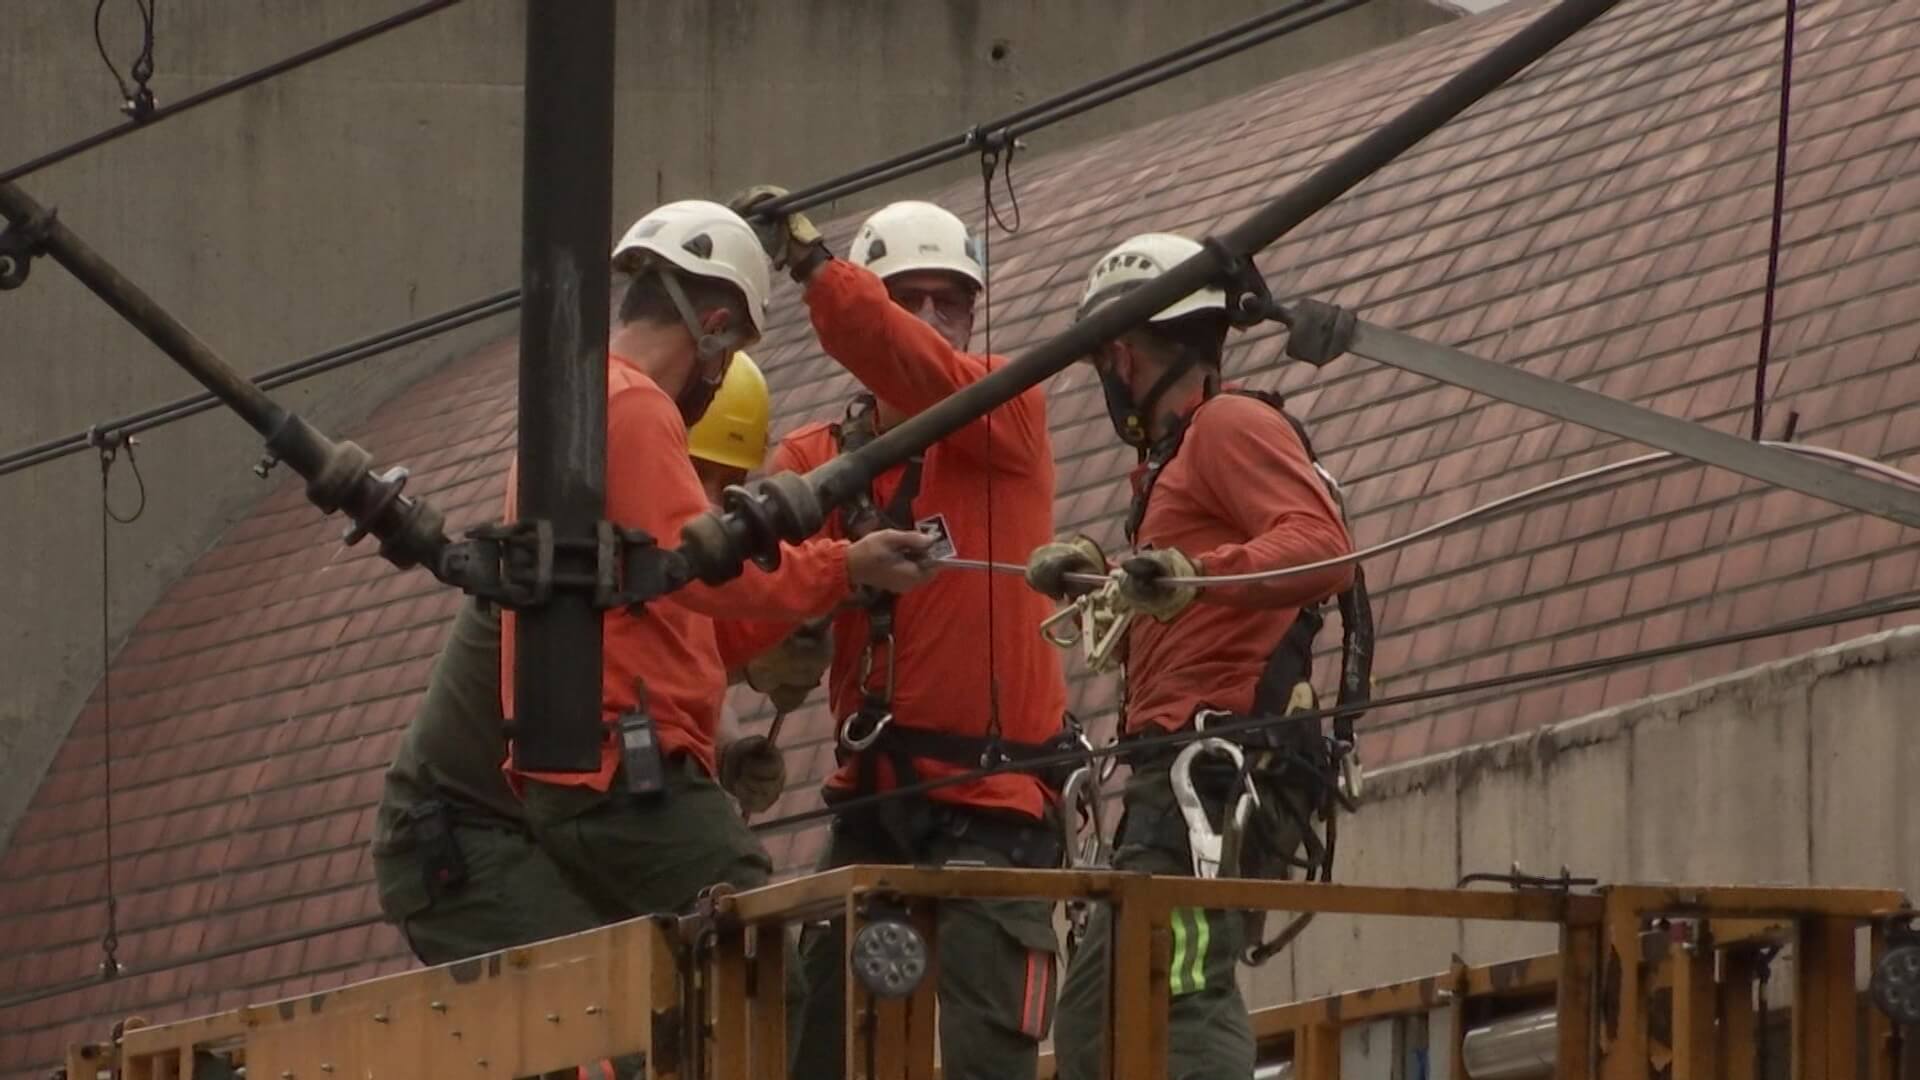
(1779, 215)
(110, 445)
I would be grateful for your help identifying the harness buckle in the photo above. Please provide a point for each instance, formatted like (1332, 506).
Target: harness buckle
(862, 728)
(1353, 774)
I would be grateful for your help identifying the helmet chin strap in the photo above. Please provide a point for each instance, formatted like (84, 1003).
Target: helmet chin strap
(697, 393)
(1132, 419)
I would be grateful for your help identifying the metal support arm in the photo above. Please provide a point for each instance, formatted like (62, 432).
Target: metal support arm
(338, 474)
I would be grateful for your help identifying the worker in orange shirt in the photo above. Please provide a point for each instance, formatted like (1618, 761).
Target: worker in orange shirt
(1226, 485)
(953, 675)
(651, 829)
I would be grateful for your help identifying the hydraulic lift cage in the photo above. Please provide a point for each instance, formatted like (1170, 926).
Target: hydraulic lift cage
(1647, 981)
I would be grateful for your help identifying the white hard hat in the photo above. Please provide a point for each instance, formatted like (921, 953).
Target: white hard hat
(1140, 259)
(704, 239)
(916, 236)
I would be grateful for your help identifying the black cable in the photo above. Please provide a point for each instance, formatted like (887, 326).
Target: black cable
(106, 505)
(1210, 49)
(1874, 609)
(1779, 216)
(1268, 26)
(106, 58)
(110, 941)
(320, 363)
(214, 93)
(28, 997)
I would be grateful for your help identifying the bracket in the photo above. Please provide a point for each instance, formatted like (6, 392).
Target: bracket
(520, 565)
(20, 243)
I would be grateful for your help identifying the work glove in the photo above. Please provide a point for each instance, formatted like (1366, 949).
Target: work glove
(789, 671)
(1144, 587)
(753, 771)
(1049, 565)
(892, 560)
(790, 240)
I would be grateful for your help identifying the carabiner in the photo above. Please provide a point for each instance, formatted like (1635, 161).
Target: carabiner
(858, 742)
(1204, 843)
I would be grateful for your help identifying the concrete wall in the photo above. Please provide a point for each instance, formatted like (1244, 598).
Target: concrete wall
(383, 184)
(1796, 773)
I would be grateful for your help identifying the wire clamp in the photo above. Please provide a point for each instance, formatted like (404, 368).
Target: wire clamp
(20, 243)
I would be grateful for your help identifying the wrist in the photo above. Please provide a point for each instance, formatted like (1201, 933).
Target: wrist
(804, 266)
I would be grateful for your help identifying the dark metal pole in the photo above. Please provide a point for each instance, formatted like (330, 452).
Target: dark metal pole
(146, 315)
(565, 281)
(338, 474)
(713, 544)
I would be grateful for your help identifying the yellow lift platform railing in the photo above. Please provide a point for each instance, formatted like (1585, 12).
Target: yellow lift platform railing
(1647, 980)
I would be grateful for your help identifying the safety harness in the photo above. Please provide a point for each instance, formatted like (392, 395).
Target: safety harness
(1285, 757)
(870, 732)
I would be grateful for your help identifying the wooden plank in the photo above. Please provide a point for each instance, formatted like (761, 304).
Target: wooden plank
(1580, 950)
(1739, 1020)
(1316, 1052)
(730, 1043)
(1823, 1000)
(1138, 996)
(1624, 1053)
(767, 1004)
(923, 1029)
(1695, 998)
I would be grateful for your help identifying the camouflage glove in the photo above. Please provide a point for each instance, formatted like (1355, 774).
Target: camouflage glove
(753, 771)
(1144, 587)
(790, 240)
(789, 671)
(1049, 565)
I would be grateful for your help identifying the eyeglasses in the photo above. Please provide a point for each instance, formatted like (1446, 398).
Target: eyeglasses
(952, 303)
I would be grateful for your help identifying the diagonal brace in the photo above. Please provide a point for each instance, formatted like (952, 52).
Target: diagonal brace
(1629, 421)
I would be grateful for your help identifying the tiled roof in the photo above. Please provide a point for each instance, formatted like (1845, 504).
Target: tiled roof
(1602, 220)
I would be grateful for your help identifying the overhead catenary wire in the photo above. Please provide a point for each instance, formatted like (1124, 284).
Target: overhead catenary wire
(332, 359)
(1492, 506)
(1873, 609)
(955, 147)
(1210, 49)
(1778, 219)
(215, 93)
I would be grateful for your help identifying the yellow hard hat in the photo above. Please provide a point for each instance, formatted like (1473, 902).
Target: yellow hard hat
(734, 430)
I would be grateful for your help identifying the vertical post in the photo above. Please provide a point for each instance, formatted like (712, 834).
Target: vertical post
(1823, 1000)
(567, 202)
(1694, 1001)
(1138, 995)
(1624, 1055)
(1316, 1052)
(1883, 1038)
(1579, 958)
(728, 1042)
(767, 1008)
(1739, 1019)
(923, 1031)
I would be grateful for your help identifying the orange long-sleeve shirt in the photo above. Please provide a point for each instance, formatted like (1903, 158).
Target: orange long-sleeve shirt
(1240, 495)
(944, 668)
(670, 646)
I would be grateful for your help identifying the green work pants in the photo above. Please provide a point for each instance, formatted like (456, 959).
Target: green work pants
(1208, 1034)
(514, 894)
(995, 965)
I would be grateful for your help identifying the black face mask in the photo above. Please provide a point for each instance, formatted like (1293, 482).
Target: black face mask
(696, 396)
(1132, 420)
